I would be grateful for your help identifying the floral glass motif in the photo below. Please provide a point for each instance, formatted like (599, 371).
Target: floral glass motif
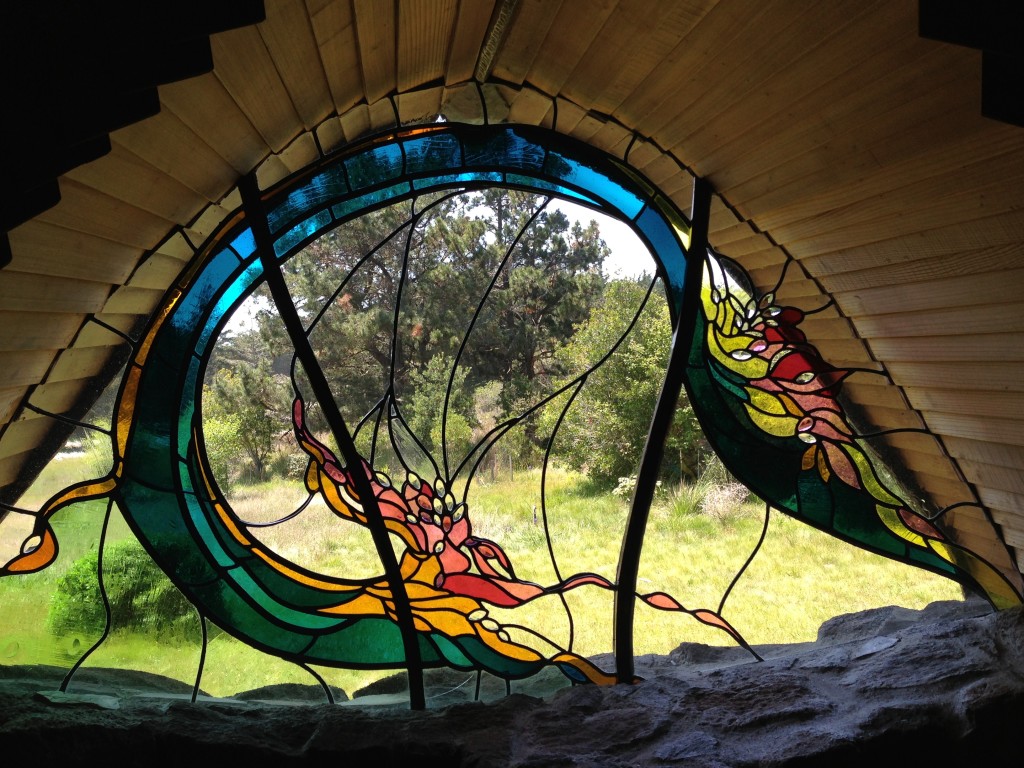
(768, 402)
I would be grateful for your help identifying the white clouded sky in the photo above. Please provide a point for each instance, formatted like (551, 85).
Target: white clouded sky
(629, 256)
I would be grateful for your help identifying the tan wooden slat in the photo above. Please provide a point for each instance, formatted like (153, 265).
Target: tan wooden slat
(356, 122)
(133, 301)
(177, 247)
(823, 326)
(85, 210)
(22, 292)
(982, 452)
(334, 28)
(37, 330)
(288, 35)
(10, 467)
(533, 22)
(58, 396)
(170, 145)
(774, 60)
(558, 54)
(422, 106)
(124, 176)
(983, 188)
(956, 401)
(424, 31)
(330, 135)
(893, 418)
(985, 319)
(635, 38)
(470, 27)
(205, 107)
(858, 176)
(127, 323)
(808, 238)
(300, 153)
(375, 33)
(530, 107)
(46, 249)
(993, 346)
(989, 476)
(953, 240)
(95, 335)
(782, 133)
(10, 400)
(973, 380)
(867, 391)
(961, 291)
(156, 272)
(243, 64)
(993, 259)
(23, 435)
(1005, 502)
(382, 116)
(24, 367)
(271, 171)
(79, 363)
(1007, 430)
(673, 85)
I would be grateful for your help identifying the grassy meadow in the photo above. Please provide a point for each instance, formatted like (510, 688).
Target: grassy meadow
(698, 538)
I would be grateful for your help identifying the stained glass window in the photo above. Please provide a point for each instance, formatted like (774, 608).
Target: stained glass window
(382, 457)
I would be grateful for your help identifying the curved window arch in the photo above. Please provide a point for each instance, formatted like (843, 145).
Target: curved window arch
(766, 399)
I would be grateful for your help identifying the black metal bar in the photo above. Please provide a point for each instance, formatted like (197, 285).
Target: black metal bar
(257, 216)
(661, 422)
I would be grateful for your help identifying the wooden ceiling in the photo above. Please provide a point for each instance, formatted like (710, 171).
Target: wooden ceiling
(884, 166)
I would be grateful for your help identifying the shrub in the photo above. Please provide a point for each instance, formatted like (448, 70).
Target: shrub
(141, 596)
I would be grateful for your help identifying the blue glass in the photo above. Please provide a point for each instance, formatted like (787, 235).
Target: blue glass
(319, 191)
(597, 182)
(301, 232)
(372, 168)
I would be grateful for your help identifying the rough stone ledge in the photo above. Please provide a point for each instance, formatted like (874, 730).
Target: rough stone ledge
(942, 686)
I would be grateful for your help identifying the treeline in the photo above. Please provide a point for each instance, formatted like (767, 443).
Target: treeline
(462, 330)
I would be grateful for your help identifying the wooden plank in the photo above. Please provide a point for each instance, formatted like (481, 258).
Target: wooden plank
(996, 258)
(956, 401)
(177, 247)
(823, 327)
(989, 476)
(568, 115)
(96, 335)
(924, 296)
(530, 107)
(10, 401)
(133, 301)
(168, 144)
(557, 55)
(918, 147)
(244, 65)
(983, 452)
(204, 225)
(524, 39)
(300, 153)
(893, 418)
(973, 380)
(356, 123)
(47, 249)
(979, 347)
(424, 31)
(467, 39)
(269, 172)
(59, 396)
(961, 194)
(421, 106)
(288, 36)
(772, 61)
(689, 65)
(24, 435)
(37, 330)
(156, 272)
(23, 292)
(79, 363)
(1007, 430)
(335, 32)
(828, 234)
(375, 33)
(947, 240)
(1001, 501)
(382, 116)
(85, 210)
(875, 392)
(788, 128)
(25, 367)
(629, 46)
(128, 323)
(330, 135)
(971, 321)
(204, 106)
(122, 175)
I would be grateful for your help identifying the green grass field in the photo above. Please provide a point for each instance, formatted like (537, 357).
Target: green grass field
(697, 540)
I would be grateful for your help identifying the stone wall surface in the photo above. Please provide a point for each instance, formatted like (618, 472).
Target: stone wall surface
(942, 686)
